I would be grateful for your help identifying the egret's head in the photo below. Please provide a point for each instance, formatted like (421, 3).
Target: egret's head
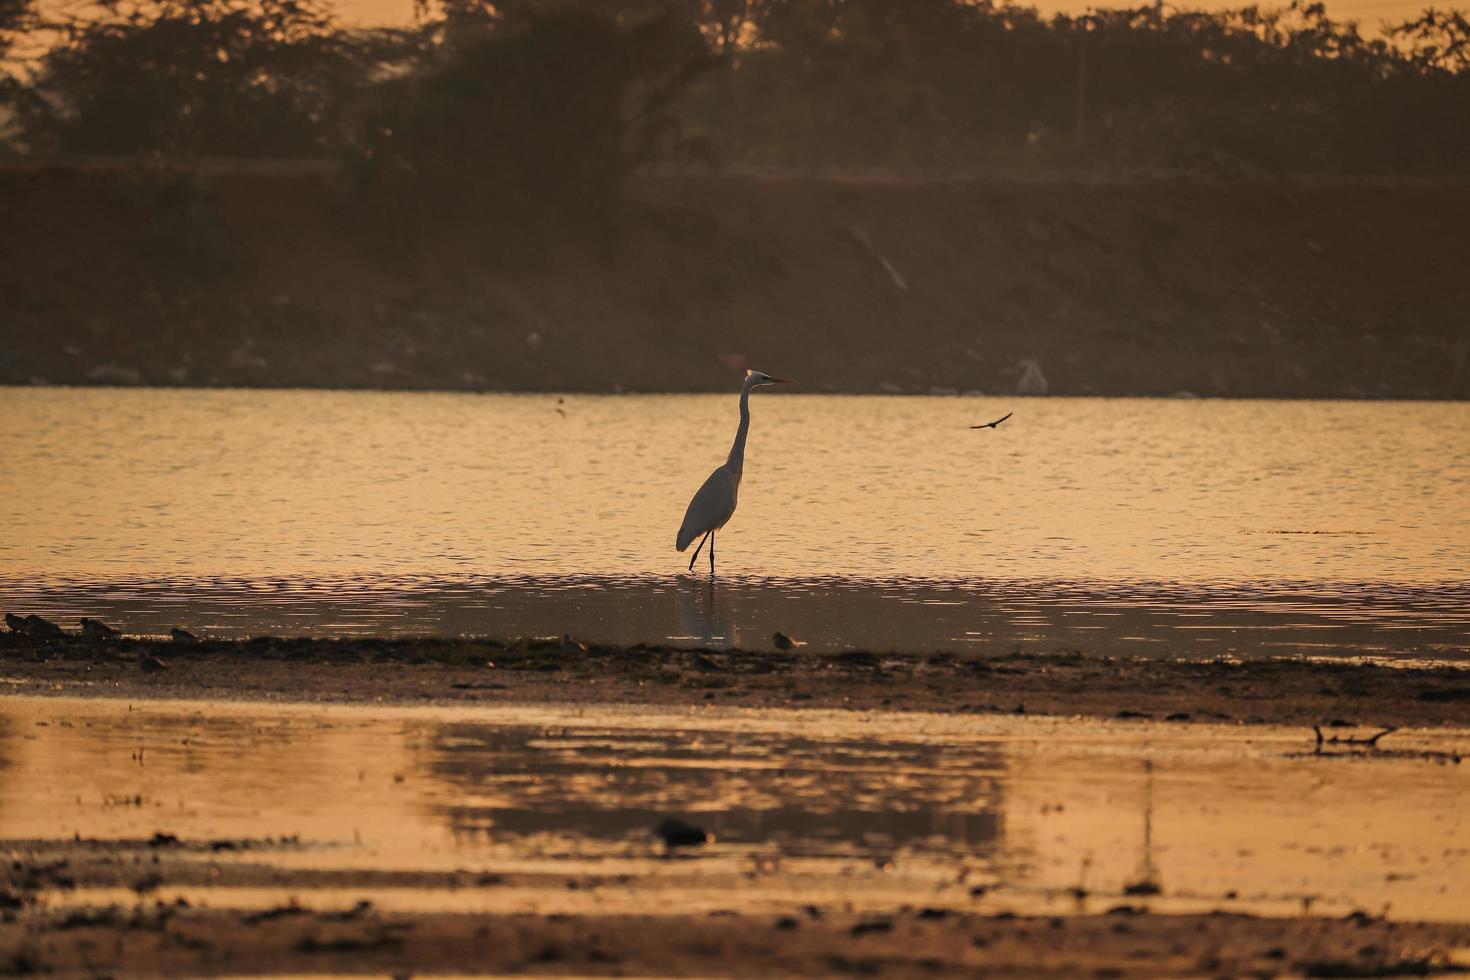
(758, 378)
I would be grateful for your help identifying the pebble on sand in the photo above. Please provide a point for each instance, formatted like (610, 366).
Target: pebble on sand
(676, 833)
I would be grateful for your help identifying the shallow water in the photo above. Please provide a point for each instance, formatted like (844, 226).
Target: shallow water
(869, 811)
(1199, 527)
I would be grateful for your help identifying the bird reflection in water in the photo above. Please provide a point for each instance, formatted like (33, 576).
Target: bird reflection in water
(703, 619)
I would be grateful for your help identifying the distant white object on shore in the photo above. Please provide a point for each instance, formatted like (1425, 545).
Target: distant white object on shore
(1032, 381)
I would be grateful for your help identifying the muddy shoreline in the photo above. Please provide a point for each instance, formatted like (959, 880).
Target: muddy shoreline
(164, 939)
(187, 903)
(485, 671)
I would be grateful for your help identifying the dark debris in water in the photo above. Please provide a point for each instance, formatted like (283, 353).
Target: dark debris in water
(1367, 747)
(677, 833)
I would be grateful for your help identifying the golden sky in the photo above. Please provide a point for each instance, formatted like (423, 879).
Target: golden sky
(1367, 12)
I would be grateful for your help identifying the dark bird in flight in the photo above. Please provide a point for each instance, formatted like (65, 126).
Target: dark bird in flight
(676, 833)
(180, 635)
(96, 629)
(784, 642)
(570, 645)
(991, 425)
(150, 664)
(36, 626)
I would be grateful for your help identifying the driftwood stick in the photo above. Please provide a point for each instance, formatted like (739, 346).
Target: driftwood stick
(1371, 741)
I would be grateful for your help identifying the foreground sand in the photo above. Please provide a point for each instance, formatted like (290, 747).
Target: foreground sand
(910, 942)
(80, 907)
(1284, 692)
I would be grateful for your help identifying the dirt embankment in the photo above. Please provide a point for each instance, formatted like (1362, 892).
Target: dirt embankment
(1219, 288)
(1342, 699)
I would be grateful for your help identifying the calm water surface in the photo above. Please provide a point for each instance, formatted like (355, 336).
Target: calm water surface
(1196, 527)
(869, 810)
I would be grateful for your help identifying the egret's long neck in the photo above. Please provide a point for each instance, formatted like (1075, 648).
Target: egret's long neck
(736, 461)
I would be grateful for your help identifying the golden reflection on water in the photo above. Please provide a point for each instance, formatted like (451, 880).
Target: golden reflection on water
(301, 484)
(869, 810)
(1117, 526)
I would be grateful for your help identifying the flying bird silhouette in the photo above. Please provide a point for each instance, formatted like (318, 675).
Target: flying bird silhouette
(991, 425)
(714, 503)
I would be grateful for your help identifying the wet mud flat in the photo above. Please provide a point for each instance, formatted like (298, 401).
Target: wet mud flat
(367, 807)
(292, 940)
(1333, 694)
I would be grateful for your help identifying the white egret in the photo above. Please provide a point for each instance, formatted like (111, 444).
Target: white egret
(714, 503)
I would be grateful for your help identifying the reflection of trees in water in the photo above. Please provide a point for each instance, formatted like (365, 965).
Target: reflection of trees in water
(807, 795)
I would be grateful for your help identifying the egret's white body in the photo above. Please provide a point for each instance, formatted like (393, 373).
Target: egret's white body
(714, 503)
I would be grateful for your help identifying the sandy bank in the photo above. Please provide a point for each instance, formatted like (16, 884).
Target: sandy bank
(1343, 698)
(1218, 288)
(154, 941)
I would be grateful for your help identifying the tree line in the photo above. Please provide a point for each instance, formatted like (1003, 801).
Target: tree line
(567, 98)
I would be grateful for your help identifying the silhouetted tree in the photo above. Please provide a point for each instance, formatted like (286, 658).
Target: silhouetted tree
(561, 102)
(194, 76)
(1418, 117)
(16, 16)
(564, 98)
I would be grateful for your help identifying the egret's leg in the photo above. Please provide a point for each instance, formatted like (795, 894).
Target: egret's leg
(712, 554)
(695, 557)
